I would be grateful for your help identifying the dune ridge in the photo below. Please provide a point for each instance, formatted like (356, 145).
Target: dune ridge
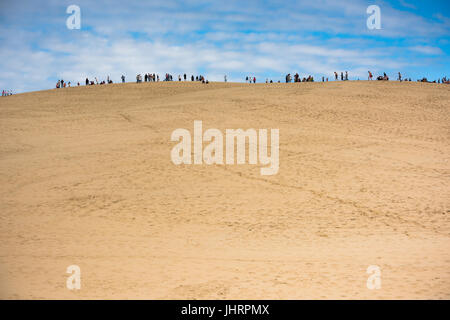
(363, 180)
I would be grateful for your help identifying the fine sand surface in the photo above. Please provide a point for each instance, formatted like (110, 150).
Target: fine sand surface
(86, 179)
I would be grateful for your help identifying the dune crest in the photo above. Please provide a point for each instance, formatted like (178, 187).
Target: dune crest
(87, 180)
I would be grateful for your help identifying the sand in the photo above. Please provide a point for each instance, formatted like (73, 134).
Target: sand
(86, 179)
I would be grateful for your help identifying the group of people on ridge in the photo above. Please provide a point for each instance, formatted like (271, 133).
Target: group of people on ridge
(152, 77)
(343, 77)
(148, 77)
(250, 79)
(297, 78)
(62, 84)
(6, 93)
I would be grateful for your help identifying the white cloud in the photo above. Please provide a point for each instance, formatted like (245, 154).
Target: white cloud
(427, 50)
(407, 5)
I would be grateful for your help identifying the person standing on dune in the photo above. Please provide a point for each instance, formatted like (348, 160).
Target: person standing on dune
(335, 76)
(370, 75)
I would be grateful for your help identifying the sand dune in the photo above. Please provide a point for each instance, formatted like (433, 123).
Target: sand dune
(86, 179)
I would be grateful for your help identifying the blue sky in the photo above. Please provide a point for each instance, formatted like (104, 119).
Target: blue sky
(265, 38)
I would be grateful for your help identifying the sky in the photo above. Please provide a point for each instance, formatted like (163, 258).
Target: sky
(266, 39)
